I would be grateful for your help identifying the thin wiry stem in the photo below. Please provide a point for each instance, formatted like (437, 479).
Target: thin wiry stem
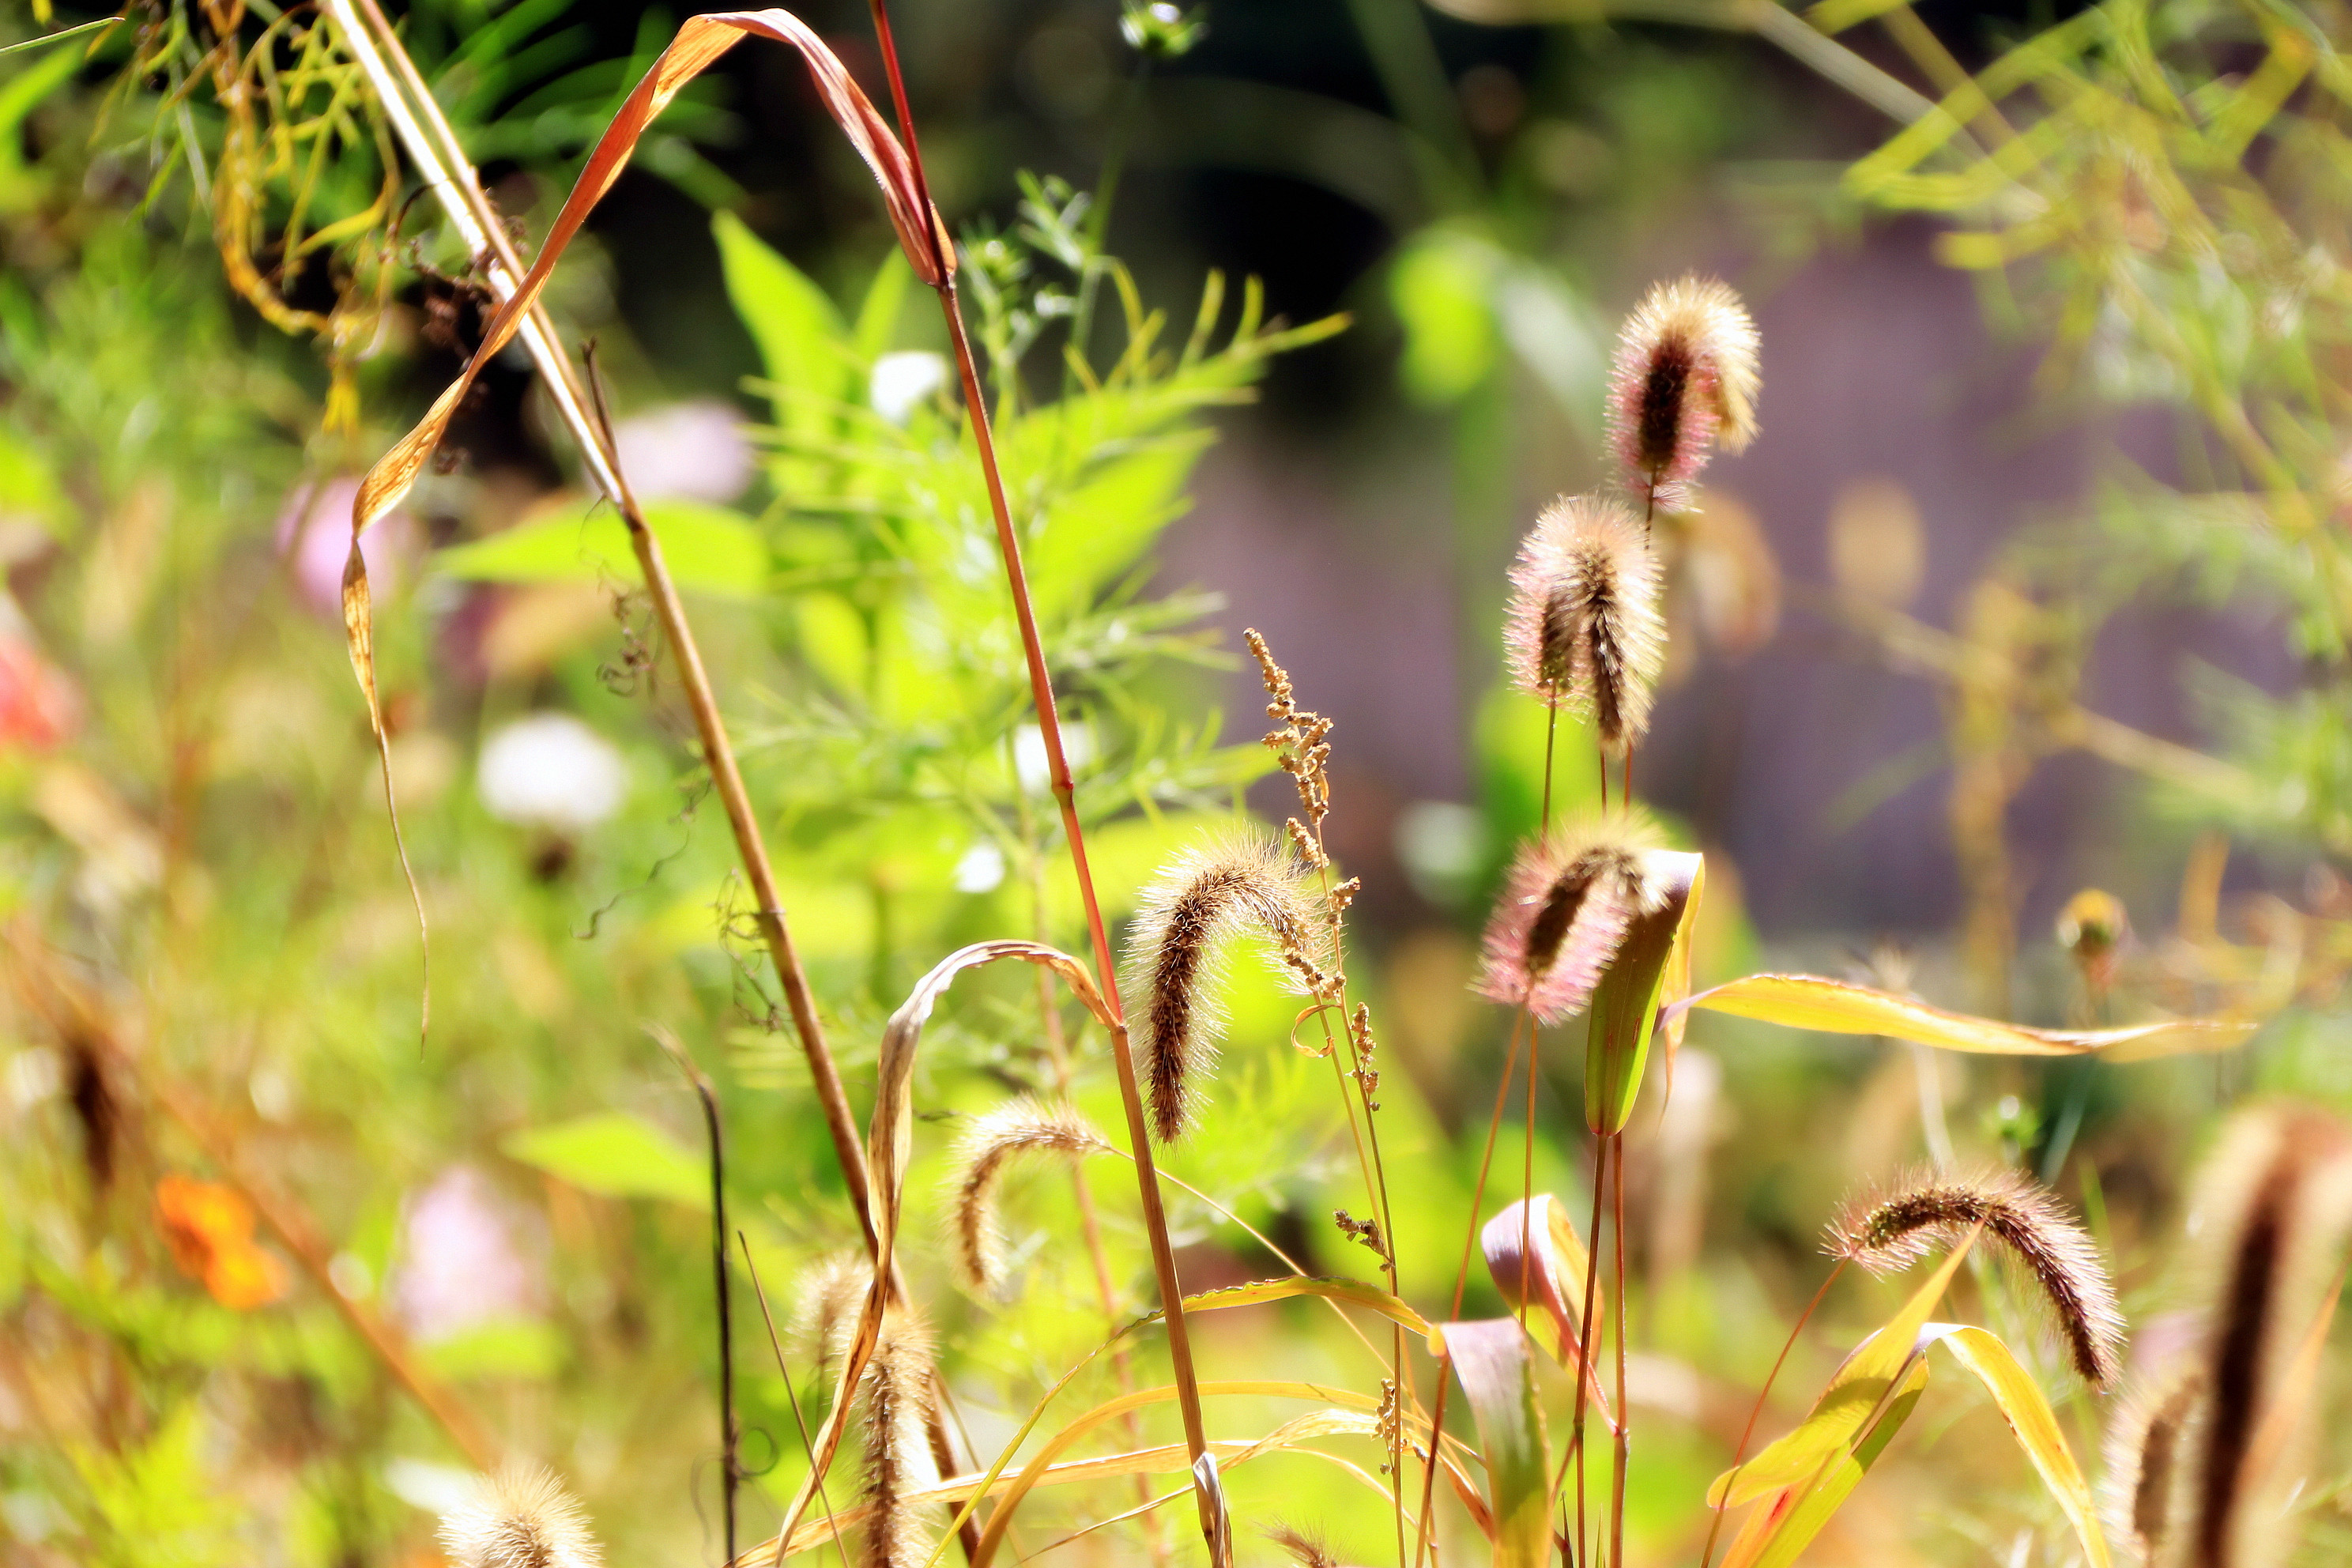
(784, 1372)
(1617, 1307)
(1584, 1338)
(1041, 686)
(1740, 1454)
(728, 1436)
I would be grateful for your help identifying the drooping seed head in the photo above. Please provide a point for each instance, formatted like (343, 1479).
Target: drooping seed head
(519, 1518)
(898, 1393)
(825, 1306)
(1024, 1128)
(1175, 952)
(1685, 380)
(2272, 1206)
(1584, 630)
(2021, 1216)
(1565, 905)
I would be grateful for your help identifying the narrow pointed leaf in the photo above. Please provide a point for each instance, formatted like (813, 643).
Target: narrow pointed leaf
(1498, 1377)
(1554, 1274)
(1834, 1007)
(2032, 1423)
(1624, 1004)
(1838, 1416)
(1775, 1533)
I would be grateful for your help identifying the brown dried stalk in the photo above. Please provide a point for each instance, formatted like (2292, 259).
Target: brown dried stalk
(897, 1410)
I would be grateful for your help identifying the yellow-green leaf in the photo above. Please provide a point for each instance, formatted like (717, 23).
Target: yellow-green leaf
(708, 548)
(1553, 1265)
(1625, 1005)
(1490, 1357)
(2032, 1423)
(1834, 1007)
(1853, 1391)
(1775, 1533)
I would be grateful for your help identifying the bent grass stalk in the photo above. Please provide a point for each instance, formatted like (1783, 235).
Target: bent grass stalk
(1155, 1218)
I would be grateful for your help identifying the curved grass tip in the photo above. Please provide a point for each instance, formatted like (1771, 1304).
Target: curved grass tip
(519, 1518)
(1584, 629)
(1174, 952)
(1302, 1547)
(1894, 1231)
(1024, 1128)
(1685, 380)
(1564, 910)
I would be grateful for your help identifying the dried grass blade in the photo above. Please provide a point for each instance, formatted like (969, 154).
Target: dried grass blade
(1835, 1007)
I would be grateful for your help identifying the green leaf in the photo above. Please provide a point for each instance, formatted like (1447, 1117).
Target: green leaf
(1837, 1417)
(708, 548)
(615, 1155)
(1625, 1004)
(877, 315)
(1775, 1534)
(1439, 286)
(500, 1347)
(1490, 1356)
(798, 331)
(1103, 522)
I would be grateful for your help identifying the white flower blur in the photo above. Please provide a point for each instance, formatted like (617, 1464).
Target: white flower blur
(550, 770)
(902, 380)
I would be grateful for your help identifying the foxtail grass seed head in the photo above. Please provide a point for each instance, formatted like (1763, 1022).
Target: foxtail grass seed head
(2146, 1442)
(1564, 909)
(1302, 1547)
(1024, 1128)
(519, 1518)
(2272, 1209)
(1685, 380)
(1584, 629)
(827, 1305)
(897, 1389)
(1174, 958)
(2021, 1216)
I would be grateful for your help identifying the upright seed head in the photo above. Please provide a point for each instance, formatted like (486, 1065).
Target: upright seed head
(2144, 1443)
(2275, 1202)
(898, 1388)
(1564, 909)
(519, 1518)
(1174, 953)
(1025, 1127)
(1302, 1547)
(1685, 379)
(2020, 1215)
(1584, 629)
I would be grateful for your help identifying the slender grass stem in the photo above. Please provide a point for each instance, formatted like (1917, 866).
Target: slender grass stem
(1740, 1454)
(1584, 1337)
(1041, 686)
(731, 1472)
(1619, 1446)
(791, 1396)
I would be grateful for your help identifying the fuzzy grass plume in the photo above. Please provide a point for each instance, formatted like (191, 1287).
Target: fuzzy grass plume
(519, 1518)
(1685, 380)
(2146, 1442)
(1024, 1128)
(1584, 629)
(825, 1306)
(2272, 1207)
(1895, 1231)
(898, 1393)
(1174, 953)
(1565, 906)
(1302, 1547)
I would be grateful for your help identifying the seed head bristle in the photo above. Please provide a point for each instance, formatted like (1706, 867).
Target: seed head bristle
(2275, 1202)
(989, 1147)
(1301, 1547)
(2024, 1218)
(897, 1389)
(826, 1304)
(1174, 954)
(2146, 1440)
(1584, 629)
(519, 1518)
(1685, 379)
(1564, 909)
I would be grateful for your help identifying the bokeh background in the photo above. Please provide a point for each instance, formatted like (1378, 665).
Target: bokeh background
(1983, 620)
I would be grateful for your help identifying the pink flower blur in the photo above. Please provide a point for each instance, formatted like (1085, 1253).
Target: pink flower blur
(462, 1259)
(314, 533)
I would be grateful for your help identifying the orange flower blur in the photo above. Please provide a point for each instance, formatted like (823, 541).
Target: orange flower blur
(210, 1231)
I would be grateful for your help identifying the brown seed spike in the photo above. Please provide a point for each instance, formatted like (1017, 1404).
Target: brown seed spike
(1025, 1127)
(1563, 912)
(1584, 629)
(897, 1387)
(1685, 379)
(2274, 1202)
(519, 1518)
(1174, 952)
(2024, 1218)
(2145, 1444)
